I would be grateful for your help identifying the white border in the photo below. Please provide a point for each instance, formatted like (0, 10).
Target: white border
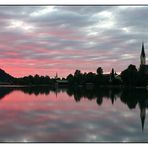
(73, 2)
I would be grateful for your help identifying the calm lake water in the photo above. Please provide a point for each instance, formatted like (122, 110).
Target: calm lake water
(73, 115)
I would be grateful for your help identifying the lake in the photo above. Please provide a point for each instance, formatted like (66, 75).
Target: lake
(41, 114)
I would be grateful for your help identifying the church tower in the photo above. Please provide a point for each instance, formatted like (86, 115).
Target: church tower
(142, 56)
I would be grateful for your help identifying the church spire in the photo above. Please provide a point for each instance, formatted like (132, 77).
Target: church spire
(56, 76)
(142, 56)
(143, 52)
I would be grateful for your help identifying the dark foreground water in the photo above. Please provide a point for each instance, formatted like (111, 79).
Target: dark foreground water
(73, 115)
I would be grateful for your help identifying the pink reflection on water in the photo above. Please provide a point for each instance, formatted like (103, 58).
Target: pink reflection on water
(22, 113)
(58, 118)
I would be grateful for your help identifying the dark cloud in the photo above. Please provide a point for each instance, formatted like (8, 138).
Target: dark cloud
(110, 32)
(84, 10)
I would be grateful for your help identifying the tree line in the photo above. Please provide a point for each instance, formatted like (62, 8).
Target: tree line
(130, 77)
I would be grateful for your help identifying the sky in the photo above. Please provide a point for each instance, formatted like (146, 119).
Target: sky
(46, 40)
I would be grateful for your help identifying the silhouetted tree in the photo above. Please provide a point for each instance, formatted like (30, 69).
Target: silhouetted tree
(70, 79)
(78, 77)
(129, 76)
(99, 71)
(90, 78)
(100, 78)
(77, 73)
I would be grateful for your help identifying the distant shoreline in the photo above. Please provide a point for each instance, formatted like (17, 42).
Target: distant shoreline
(23, 86)
(15, 86)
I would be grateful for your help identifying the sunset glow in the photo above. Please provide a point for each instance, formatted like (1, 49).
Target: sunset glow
(48, 39)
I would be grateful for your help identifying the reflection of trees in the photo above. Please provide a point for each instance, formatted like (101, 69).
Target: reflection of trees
(99, 100)
(79, 93)
(97, 93)
(35, 90)
(5, 91)
(132, 97)
(39, 90)
(29, 90)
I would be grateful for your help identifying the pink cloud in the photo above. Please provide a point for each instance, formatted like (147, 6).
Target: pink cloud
(52, 49)
(21, 66)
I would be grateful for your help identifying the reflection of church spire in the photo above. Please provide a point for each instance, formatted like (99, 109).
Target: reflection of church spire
(142, 116)
(112, 98)
(56, 92)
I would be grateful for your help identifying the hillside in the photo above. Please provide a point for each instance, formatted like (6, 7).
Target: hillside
(5, 78)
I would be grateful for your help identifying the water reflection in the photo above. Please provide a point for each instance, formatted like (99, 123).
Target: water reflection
(5, 91)
(130, 97)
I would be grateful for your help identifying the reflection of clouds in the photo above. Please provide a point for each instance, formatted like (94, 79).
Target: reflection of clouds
(48, 119)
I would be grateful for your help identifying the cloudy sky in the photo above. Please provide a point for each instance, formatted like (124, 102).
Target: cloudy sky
(50, 39)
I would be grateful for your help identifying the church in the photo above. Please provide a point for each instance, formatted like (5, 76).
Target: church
(143, 67)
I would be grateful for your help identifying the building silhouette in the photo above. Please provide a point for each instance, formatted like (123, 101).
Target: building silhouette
(143, 67)
(142, 56)
(56, 76)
